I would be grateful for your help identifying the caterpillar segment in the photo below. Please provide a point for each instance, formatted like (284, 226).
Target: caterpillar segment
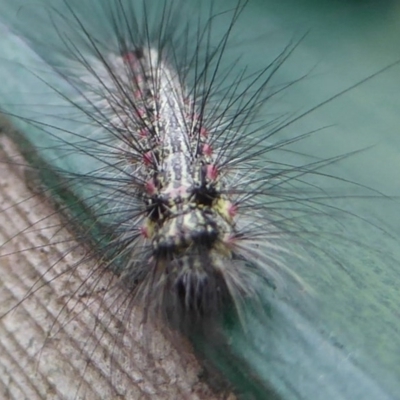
(189, 220)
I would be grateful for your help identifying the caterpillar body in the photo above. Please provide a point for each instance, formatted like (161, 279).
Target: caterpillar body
(170, 161)
(171, 181)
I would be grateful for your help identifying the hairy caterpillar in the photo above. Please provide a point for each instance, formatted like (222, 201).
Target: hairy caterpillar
(181, 237)
(170, 165)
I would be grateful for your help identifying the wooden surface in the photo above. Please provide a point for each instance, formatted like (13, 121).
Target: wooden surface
(60, 342)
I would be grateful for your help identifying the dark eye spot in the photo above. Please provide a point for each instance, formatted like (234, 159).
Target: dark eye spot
(204, 195)
(139, 52)
(157, 209)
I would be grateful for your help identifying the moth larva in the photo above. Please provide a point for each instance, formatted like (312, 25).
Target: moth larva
(163, 143)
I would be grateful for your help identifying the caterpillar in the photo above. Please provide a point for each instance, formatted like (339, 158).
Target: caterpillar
(169, 168)
(156, 137)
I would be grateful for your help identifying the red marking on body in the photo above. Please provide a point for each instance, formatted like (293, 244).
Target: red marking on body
(137, 79)
(137, 94)
(151, 187)
(130, 58)
(144, 132)
(207, 150)
(212, 172)
(144, 231)
(203, 132)
(148, 158)
(142, 112)
(232, 209)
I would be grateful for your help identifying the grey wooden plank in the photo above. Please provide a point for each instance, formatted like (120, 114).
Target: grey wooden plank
(49, 347)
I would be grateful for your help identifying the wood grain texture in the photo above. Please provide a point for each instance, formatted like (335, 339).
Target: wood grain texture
(58, 342)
